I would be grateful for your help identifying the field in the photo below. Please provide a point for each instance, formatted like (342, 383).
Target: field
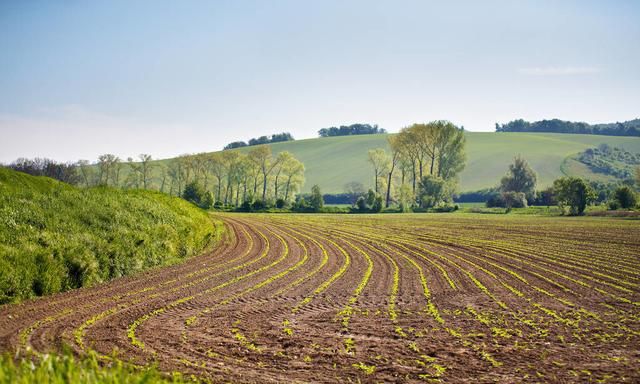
(360, 298)
(334, 161)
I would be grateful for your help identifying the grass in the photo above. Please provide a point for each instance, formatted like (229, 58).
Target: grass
(65, 368)
(54, 237)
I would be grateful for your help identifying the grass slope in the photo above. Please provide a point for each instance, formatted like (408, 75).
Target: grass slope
(54, 237)
(334, 161)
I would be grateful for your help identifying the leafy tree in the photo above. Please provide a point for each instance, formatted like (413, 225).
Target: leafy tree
(361, 204)
(206, 201)
(574, 193)
(625, 197)
(316, 198)
(519, 178)
(263, 159)
(381, 163)
(396, 153)
(193, 192)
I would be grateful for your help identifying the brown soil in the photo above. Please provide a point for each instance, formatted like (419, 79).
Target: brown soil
(334, 299)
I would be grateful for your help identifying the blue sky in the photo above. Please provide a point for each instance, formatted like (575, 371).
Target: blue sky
(81, 78)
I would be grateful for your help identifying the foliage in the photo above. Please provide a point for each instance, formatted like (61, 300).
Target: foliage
(513, 199)
(574, 193)
(361, 204)
(354, 190)
(519, 178)
(316, 198)
(613, 161)
(65, 172)
(275, 138)
(353, 129)
(65, 368)
(434, 191)
(55, 237)
(627, 128)
(625, 197)
(377, 204)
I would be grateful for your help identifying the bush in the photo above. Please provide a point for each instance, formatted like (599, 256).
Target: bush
(377, 204)
(574, 193)
(361, 204)
(281, 203)
(625, 197)
(514, 199)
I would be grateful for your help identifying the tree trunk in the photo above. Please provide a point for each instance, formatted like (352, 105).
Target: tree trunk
(286, 191)
(393, 165)
(264, 187)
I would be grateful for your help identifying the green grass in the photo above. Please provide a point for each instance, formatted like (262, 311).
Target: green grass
(65, 368)
(54, 237)
(334, 161)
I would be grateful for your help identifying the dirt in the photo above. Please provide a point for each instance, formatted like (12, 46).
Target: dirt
(302, 298)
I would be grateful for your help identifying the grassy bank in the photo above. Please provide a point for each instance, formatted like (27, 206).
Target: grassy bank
(54, 237)
(65, 368)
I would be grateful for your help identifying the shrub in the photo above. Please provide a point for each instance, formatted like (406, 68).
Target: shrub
(514, 199)
(361, 204)
(574, 193)
(625, 197)
(281, 203)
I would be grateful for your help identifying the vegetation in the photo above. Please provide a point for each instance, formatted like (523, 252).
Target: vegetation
(349, 130)
(624, 197)
(275, 138)
(436, 149)
(65, 368)
(55, 237)
(574, 193)
(627, 128)
(612, 161)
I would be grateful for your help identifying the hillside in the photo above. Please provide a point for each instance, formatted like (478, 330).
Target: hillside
(333, 161)
(54, 237)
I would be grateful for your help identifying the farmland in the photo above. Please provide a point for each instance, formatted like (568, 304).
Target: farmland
(393, 298)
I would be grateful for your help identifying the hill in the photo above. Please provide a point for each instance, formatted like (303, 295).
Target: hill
(334, 161)
(55, 237)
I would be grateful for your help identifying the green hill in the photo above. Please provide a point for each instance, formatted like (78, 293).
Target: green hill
(334, 161)
(55, 237)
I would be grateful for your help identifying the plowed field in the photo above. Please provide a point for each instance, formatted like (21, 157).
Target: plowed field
(384, 298)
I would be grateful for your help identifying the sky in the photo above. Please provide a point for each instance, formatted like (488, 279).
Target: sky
(83, 78)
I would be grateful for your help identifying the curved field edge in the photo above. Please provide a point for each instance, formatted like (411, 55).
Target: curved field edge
(54, 237)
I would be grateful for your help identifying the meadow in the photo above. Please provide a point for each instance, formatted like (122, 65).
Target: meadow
(332, 162)
(368, 298)
(54, 237)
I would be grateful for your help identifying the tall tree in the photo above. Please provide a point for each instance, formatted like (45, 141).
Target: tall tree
(293, 172)
(396, 151)
(380, 161)
(263, 158)
(519, 178)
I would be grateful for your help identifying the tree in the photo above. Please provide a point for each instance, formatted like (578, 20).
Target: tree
(513, 199)
(396, 153)
(371, 197)
(86, 172)
(519, 178)
(361, 203)
(377, 204)
(354, 189)
(405, 198)
(142, 171)
(193, 192)
(625, 197)
(293, 171)
(380, 161)
(574, 193)
(282, 161)
(263, 159)
(317, 202)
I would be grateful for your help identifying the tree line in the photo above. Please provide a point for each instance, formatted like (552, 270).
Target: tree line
(275, 138)
(349, 130)
(231, 177)
(517, 189)
(627, 128)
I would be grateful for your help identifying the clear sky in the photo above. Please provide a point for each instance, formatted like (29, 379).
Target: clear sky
(81, 78)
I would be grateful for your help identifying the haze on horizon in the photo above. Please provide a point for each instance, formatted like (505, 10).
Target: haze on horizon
(78, 79)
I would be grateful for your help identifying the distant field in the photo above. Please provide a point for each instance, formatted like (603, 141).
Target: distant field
(334, 161)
